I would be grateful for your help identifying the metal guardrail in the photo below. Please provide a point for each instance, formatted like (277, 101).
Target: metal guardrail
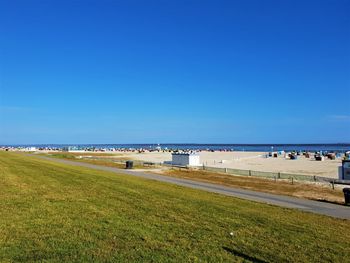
(273, 175)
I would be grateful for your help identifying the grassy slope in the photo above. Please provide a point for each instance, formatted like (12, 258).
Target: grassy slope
(55, 212)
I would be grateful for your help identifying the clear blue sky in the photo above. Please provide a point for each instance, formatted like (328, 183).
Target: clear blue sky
(174, 71)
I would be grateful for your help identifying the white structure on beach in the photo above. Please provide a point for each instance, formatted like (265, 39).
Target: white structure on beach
(184, 159)
(30, 149)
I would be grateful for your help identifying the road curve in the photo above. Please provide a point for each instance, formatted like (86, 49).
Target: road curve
(333, 210)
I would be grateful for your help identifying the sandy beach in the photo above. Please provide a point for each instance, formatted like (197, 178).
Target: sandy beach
(250, 161)
(255, 161)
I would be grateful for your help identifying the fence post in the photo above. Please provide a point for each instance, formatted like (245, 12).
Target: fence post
(250, 173)
(225, 170)
(279, 175)
(333, 184)
(292, 180)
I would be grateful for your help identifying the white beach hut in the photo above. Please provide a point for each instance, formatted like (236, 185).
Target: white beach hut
(185, 159)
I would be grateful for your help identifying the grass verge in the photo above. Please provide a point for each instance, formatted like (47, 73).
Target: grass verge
(110, 160)
(313, 191)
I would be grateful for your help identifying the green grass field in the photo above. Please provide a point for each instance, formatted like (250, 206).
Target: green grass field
(54, 212)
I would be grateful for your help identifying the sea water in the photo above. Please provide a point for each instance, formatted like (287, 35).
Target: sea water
(215, 147)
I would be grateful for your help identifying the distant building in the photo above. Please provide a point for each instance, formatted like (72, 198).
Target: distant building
(72, 149)
(185, 159)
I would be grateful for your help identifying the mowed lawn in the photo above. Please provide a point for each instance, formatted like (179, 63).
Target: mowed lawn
(55, 212)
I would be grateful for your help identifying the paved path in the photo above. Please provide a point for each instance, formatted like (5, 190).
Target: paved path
(329, 209)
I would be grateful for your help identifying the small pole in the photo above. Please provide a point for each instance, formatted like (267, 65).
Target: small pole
(333, 184)
(292, 180)
(250, 173)
(225, 170)
(279, 175)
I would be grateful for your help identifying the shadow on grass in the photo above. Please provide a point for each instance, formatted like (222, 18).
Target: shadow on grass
(242, 255)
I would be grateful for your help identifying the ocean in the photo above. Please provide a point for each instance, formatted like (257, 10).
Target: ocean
(229, 147)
